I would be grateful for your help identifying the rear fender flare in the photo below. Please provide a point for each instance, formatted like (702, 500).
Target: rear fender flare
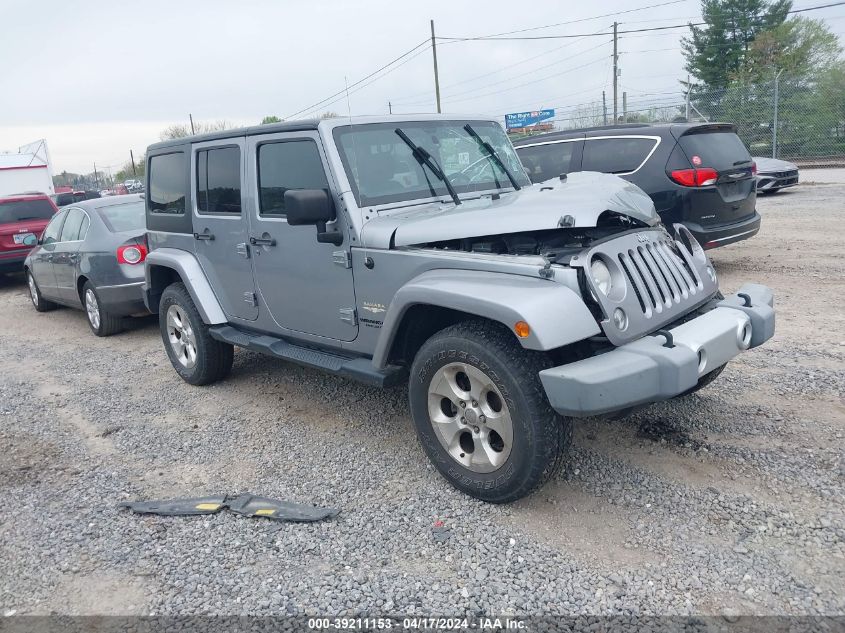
(189, 269)
(556, 315)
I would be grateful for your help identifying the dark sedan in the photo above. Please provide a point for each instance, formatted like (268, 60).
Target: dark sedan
(91, 256)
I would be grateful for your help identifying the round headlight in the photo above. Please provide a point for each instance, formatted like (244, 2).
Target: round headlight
(601, 276)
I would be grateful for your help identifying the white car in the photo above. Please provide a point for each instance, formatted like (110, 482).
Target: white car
(774, 175)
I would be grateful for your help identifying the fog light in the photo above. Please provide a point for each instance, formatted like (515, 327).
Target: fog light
(522, 329)
(620, 319)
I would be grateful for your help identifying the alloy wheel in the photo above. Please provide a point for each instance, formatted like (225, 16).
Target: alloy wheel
(181, 336)
(470, 417)
(33, 289)
(92, 308)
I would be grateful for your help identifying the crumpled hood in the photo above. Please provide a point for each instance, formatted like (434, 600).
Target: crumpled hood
(584, 196)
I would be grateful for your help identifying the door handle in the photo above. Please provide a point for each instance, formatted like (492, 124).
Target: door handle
(204, 236)
(260, 241)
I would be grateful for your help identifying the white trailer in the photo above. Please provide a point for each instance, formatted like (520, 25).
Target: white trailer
(27, 170)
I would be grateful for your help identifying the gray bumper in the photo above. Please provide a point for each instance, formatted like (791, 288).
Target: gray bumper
(646, 370)
(123, 299)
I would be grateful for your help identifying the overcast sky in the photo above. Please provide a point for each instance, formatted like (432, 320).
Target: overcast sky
(98, 78)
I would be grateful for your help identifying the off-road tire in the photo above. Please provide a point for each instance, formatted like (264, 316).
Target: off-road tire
(109, 323)
(38, 301)
(541, 437)
(214, 358)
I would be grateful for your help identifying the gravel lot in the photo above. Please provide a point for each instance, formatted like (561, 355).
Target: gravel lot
(728, 501)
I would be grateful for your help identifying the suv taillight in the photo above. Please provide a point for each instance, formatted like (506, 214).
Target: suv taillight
(131, 254)
(700, 177)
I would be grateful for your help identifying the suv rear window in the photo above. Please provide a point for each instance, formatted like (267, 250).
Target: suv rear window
(22, 210)
(616, 155)
(168, 183)
(123, 217)
(550, 160)
(719, 150)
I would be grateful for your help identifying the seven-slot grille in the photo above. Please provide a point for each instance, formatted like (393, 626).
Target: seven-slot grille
(659, 276)
(655, 280)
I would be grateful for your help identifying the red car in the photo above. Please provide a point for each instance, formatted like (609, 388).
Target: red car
(21, 215)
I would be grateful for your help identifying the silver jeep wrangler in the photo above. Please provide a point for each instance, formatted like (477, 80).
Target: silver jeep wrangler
(415, 249)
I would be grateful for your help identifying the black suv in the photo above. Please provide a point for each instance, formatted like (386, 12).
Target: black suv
(698, 174)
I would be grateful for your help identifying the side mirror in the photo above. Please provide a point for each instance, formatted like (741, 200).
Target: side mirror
(312, 206)
(30, 240)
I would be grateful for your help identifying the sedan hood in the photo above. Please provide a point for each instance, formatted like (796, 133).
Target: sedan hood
(773, 164)
(584, 196)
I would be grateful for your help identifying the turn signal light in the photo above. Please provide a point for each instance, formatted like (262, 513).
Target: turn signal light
(522, 329)
(131, 254)
(695, 177)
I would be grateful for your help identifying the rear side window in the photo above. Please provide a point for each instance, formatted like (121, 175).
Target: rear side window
(123, 217)
(23, 210)
(168, 188)
(287, 165)
(543, 162)
(72, 229)
(616, 155)
(219, 180)
(719, 150)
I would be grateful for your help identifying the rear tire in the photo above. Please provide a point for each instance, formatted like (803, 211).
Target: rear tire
(196, 357)
(481, 413)
(38, 302)
(101, 322)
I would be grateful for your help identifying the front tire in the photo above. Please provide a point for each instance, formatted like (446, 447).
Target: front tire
(481, 413)
(38, 301)
(196, 357)
(101, 322)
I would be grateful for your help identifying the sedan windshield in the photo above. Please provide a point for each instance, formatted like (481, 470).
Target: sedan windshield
(382, 168)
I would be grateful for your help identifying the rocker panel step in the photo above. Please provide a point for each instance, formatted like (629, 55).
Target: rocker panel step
(354, 367)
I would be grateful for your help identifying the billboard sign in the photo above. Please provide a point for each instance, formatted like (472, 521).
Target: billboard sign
(527, 119)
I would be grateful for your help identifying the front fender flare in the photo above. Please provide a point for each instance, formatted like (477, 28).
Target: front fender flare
(556, 314)
(189, 269)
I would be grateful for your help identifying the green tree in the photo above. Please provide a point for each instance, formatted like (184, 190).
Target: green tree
(718, 50)
(799, 47)
(270, 119)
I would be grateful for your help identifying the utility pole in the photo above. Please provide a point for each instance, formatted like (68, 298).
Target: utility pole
(390, 107)
(624, 107)
(96, 177)
(604, 106)
(191, 117)
(132, 160)
(615, 74)
(689, 90)
(436, 78)
(775, 118)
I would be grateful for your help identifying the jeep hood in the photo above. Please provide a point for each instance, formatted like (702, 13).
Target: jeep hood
(584, 196)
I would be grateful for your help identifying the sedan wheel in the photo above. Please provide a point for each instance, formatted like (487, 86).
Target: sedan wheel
(33, 290)
(92, 308)
(181, 336)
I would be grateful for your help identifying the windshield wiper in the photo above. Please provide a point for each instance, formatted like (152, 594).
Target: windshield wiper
(492, 154)
(424, 158)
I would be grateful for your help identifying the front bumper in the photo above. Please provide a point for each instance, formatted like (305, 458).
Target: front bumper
(650, 370)
(774, 181)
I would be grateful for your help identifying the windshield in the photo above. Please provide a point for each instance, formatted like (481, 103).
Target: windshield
(123, 217)
(23, 210)
(382, 168)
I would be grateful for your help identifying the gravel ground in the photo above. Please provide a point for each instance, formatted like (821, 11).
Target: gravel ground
(727, 501)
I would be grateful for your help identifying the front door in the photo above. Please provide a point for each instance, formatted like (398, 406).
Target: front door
(220, 240)
(42, 258)
(66, 254)
(306, 285)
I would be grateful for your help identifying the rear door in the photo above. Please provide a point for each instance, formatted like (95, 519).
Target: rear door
(733, 197)
(220, 240)
(66, 253)
(306, 285)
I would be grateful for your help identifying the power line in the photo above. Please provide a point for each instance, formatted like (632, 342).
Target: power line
(643, 30)
(321, 103)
